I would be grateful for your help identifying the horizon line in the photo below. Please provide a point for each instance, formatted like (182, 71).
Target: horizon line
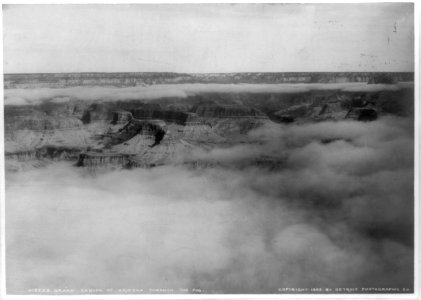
(197, 73)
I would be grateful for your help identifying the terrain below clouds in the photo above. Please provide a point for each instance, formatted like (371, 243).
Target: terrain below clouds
(336, 214)
(210, 188)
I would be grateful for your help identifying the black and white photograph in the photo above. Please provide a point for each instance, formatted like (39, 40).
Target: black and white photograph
(209, 149)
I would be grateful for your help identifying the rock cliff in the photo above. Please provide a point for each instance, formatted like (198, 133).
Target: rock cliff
(135, 79)
(227, 111)
(146, 133)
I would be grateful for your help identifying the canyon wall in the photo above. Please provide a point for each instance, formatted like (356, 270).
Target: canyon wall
(59, 80)
(144, 132)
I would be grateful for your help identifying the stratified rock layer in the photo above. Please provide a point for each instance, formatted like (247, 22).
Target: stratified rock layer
(140, 133)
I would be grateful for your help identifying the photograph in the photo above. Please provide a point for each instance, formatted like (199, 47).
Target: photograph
(204, 149)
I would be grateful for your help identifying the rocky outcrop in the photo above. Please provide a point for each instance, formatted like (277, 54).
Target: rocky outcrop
(363, 113)
(100, 159)
(265, 162)
(134, 79)
(97, 112)
(133, 163)
(153, 130)
(22, 155)
(43, 122)
(121, 117)
(384, 78)
(331, 110)
(169, 151)
(200, 164)
(367, 114)
(49, 152)
(227, 111)
(40, 118)
(359, 107)
(58, 153)
(169, 116)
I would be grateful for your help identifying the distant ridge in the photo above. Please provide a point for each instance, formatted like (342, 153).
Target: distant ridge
(60, 80)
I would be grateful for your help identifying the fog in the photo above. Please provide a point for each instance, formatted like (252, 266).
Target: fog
(338, 213)
(28, 96)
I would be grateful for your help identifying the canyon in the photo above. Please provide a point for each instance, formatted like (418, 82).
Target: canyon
(171, 129)
(148, 78)
(216, 185)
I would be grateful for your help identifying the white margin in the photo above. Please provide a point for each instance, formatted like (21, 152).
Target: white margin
(417, 146)
(2, 176)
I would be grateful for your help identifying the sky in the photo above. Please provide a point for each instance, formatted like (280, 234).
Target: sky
(203, 38)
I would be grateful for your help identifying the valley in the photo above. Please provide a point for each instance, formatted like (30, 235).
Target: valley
(168, 129)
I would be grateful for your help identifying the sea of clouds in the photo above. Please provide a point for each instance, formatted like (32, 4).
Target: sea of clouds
(35, 96)
(338, 213)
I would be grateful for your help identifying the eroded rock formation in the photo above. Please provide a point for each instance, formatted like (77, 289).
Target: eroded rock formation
(135, 79)
(139, 133)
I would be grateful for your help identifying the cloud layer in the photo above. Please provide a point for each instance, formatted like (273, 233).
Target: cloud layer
(338, 213)
(39, 95)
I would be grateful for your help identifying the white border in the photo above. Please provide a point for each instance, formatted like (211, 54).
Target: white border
(2, 177)
(417, 145)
